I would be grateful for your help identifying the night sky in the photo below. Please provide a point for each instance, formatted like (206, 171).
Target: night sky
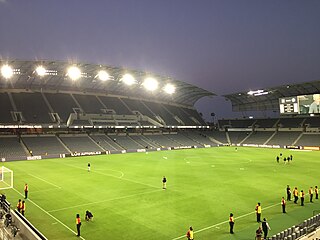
(222, 46)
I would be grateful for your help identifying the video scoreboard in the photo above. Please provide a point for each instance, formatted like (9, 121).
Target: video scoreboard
(303, 104)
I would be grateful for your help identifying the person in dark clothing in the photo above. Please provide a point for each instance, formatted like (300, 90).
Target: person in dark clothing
(231, 223)
(259, 233)
(277, 159)
(316, 191)
(164, 182)
(283, 205)
(265, 228)
(302, 198)
(89, 216)
(288, 193)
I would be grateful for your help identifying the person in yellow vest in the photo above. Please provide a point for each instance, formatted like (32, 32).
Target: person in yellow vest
(19, 205)
(26, 190)
(190, 234)
(296, 194)
(283, 204)
(258, 212)
(310, 193)
(231, 223)
(316, 190)
(164, 182)
(302, 197)
(78, 223)
(23, 208)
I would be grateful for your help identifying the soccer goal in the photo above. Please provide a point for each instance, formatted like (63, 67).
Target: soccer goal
(6, 178)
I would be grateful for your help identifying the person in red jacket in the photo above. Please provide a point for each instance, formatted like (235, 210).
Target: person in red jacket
(190, 234)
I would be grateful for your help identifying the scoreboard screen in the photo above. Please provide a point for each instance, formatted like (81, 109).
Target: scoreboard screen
(303, 104)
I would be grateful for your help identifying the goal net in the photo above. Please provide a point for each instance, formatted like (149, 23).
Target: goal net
(6, 178)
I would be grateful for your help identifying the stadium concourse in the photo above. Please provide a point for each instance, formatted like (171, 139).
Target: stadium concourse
(52, 109)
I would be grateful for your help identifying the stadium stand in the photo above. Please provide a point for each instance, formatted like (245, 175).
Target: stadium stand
(309, 139)
(106, 142)
(11, 147)
(165, 117)
(237, 137)
(266, 123)
(183, 140)
(6, 109)
(89, 103)
(162, 140)
(258, 137)
(127, 143)
(113, 103)
(80, 143)
(198, 137)
(143, 141)
(312, 122)
(219, 137)
(284, 138)
(291, 122)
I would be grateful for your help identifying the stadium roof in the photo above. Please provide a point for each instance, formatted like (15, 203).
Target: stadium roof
(268, 99)
(56, 78)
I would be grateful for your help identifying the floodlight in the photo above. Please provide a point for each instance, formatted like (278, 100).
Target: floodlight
(6, 71)
(150, 84)
(169, 88)
(41, 71)
(103, 75)
(74, 73)
(128, 79)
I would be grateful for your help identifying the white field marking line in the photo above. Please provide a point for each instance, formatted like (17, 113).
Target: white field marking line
(218, 224)
(107, 200)
(97, 171)
(29, 200)
(109, 175)
(44, 180)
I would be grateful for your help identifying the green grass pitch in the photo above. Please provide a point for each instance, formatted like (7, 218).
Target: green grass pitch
(124, 193)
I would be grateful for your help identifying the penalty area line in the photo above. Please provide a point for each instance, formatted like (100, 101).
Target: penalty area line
(218, 224)
(29, 200)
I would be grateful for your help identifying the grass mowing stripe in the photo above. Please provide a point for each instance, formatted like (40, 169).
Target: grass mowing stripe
(44, 180)
(218, 224)
(112, 199)
(109, 175)
(29, 200)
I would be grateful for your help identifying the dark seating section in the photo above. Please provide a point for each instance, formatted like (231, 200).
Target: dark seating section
(127, 142)
(237, 137)
(89, 103)
(10, 147)
(62, 104)
(242, 123)
(144, 141)
(309, 139)
(265, 123)
(79, 143)
(198, 137)
(195, 114)
(44, 145)
(258, 137)
(106, 142)
(284, 138)
(163, 113)
(163, 140)
(32, 106)
(224, 123)
(183, 140)
(183, 116)
(5, 106)
(313, 122)
(217, 135)
(136, 105)
(290, 122)
(115, 104)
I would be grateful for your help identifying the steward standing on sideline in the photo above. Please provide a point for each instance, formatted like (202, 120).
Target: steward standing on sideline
(283, 204)
(26, 190)
(316, 190)
(78, 223)
(19, 205)
(288, 193)
(302, 197)
(258, 212)
(311, 193)
(295, 194)
(231, 223)
(23, 208)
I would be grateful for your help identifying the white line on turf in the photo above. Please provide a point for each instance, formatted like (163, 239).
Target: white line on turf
(29, 200)
(218, 224)
(110, 175)
(107, 200)
(44, 180)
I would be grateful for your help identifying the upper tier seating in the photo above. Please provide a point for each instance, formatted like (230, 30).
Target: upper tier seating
(5, 106)
(10, 147)
(195, 114)
(313, 122)
(106, 142)
(163, 113)
(127, 143)
(219, 136)
(182, 140)
(198, 137)
(44, 145)
(183, 116)
(116, 104)
(265, 123)
(163, 140)
(290, 122)
(136, 105)
(89, 103)
(242, 123)
(143, 141)
(308, 139)
(62, 103)
(32, 106)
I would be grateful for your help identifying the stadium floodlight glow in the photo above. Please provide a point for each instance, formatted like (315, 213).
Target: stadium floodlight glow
(103, 75)
(6, 71)
(150, 84)
(169, 88)
(74, 73)
(128, 79)
(41, 71)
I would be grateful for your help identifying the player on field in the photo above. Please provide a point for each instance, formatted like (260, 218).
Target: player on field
(288, 193)
(265, 228)
(89, 167)
(164, 182)
(89, 215)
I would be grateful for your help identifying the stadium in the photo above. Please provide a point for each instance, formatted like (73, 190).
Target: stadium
(134, 128)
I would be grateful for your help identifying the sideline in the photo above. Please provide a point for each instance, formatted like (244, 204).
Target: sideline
(218, 224)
